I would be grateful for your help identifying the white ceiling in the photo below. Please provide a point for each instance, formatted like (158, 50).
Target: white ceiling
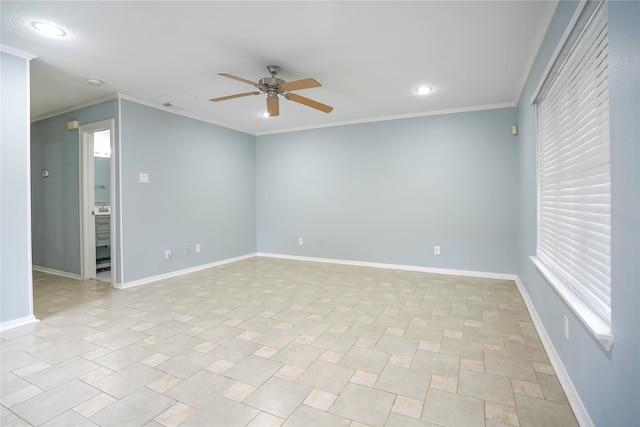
(368, 56)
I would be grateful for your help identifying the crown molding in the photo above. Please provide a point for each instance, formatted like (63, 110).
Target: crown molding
(17, 52)
(396, 117)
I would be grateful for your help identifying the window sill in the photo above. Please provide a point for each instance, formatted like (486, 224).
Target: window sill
(598, 327)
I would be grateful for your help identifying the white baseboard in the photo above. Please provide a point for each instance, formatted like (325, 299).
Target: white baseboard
(181, 272)
(56, 272)
(447, 271)
(10, 324)
(563, 376)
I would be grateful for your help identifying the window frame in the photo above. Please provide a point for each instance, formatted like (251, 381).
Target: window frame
(595, 323)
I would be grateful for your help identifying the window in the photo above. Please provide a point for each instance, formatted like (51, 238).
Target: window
(574, 184)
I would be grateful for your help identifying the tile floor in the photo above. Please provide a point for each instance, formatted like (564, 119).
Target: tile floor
(272, 342)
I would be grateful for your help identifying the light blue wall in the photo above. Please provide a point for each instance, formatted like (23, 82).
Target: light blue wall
(55, 200)
(387, 192)
(201, 190)
(608, 382)
(15, 259)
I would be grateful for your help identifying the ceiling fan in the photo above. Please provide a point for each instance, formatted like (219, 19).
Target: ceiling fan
(273, 87)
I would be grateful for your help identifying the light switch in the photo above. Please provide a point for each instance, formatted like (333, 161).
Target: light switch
(143, 178)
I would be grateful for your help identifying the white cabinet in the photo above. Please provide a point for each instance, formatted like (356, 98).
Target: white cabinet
(103, 241)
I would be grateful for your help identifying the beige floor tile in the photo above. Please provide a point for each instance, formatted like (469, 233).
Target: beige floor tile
(238, 391)
(235, 350)
(266, 420)
(551, 388)
(289, 372)
(124, 357)
(429, 346)
(306, 416)
(137, 408)
(403, 381)
(471, 364)
(538, 412)
(331, 356)
(400, 360)
(21, 395)
(444, 383)
(205, 347)
(265, 351)
(500, 413)
(320, 399)
(186, 364)
(543, 368)
(220, 366)
(164, 383)
(200, 389)
(32, 368)
(326, 376)
(155, 359)
(512, 367)
(366, 343)
(95, 375)
(450, 409)
(397, 345)
(436, 363)
(399, 420)
(365, 359)
(121, 383)
(364, 378)
(527, 388)
(60, 373)
(51, 403)
(343, 330)
(407, 406)
(278, 397)
(253, 370)
(95, 404)
(297, 354)
(337, 342)
(363, 404)
(485, 386)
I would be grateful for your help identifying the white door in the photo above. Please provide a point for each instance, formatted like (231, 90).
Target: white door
(96, 196)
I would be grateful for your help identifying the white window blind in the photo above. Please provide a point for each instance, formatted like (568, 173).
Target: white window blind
(574, 199)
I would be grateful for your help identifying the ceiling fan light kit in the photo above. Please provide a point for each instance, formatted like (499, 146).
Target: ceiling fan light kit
(274, 86)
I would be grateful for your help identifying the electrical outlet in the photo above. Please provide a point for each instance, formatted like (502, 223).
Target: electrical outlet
(167, 254)
(321, 244)
(566, 327)
(198, 248)
(186, 251)
(436, 250)
(300, 241)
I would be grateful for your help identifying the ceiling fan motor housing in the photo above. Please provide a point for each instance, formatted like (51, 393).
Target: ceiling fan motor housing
(269, 84)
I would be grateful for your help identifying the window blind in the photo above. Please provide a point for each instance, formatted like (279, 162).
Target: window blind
(574, 200)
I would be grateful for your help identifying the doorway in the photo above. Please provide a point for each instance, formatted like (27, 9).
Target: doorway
(96, 201)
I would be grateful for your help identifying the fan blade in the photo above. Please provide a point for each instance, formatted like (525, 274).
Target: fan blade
(240, 79)
(273, 106)
(299, 84)
(308, 102)
(239, 95)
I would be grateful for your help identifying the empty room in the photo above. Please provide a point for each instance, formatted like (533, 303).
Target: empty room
(320, 213)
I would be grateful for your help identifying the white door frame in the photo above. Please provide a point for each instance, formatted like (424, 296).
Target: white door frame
(87, 199)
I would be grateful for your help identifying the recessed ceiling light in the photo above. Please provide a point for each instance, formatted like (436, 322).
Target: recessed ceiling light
(423, 90)
(95, 82)
(265, 114)
(48, 29)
